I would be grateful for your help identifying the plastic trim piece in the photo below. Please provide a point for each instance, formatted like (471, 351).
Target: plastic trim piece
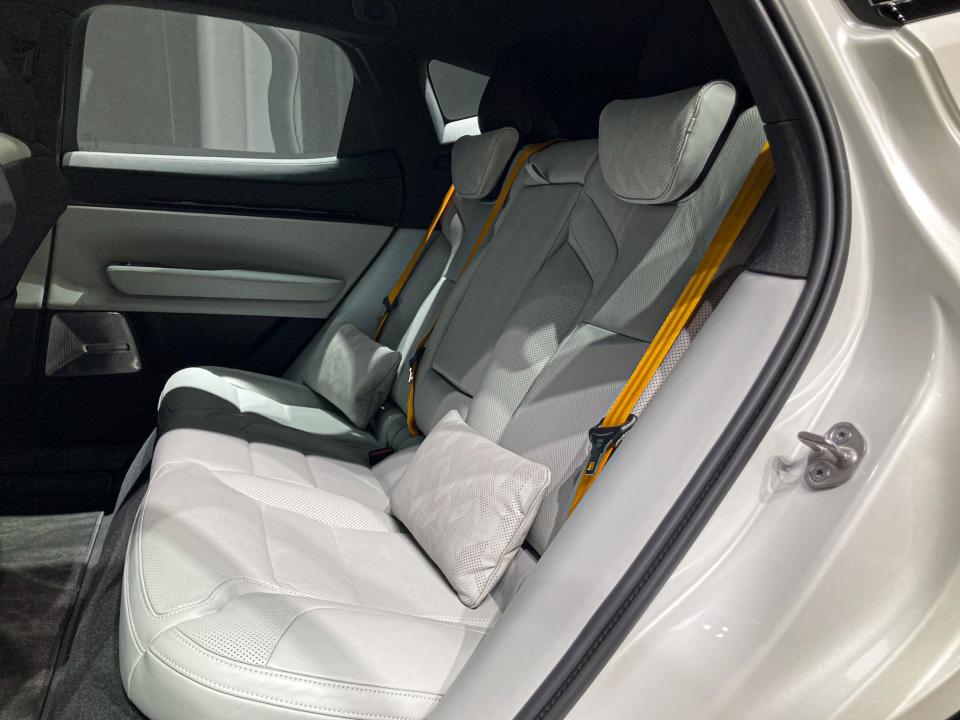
(150, 281)
(219, 166)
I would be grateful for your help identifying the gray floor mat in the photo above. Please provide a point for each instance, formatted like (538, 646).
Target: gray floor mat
(42, 560)
(87, 684)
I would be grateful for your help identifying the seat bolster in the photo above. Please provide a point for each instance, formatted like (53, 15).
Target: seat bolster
(253, 406)
(229, 384)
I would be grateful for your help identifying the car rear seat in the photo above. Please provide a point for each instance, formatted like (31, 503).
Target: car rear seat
(226, 397)
(250, 592)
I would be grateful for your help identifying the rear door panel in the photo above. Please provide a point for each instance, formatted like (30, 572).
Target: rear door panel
(127, 259)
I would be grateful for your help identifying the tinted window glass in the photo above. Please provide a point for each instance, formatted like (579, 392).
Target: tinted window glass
(163, 82)
(458, 90)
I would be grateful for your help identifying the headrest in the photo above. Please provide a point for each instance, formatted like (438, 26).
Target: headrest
(653, 150)
(12, 150)
(510, 100)
(479, 161)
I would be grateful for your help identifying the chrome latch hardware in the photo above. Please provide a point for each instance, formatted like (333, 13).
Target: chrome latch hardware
(834, 457)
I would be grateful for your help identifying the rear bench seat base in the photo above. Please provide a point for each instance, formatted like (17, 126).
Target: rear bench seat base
(295, 468)
(264, 598)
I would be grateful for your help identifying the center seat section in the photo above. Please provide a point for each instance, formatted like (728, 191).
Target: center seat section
(532, 227)
(510, 116)
(251, 595)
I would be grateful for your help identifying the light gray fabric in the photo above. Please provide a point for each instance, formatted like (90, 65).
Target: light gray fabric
(570, 396)
(637, 306)
(289, 402)
(478, 161)
(604, 239)
(582, 379)
(546, 313)
(652, 150)
(469, 503)
(356, 374)
(529, 230)
(425, 277)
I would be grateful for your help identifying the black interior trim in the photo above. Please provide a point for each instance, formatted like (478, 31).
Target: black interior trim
(884, 13)
(377, 200)
(804, 112)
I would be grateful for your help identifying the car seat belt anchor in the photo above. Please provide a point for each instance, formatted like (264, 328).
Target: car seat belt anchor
(604, 438)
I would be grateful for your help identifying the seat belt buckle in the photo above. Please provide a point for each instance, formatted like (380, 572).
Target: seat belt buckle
(603, 439)
(380, 454)
(414, 361)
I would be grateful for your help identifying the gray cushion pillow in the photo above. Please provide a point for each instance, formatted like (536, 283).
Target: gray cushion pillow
(356, 374)
(469, 503)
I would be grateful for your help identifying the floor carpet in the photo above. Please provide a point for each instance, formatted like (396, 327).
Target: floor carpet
(87, 683)
(42, 560)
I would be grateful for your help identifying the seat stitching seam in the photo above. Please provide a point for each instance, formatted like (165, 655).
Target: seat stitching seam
(237, 580)
(346, 567)
(279, 590)
(521, 531)
(143, 593)
(318, 680)
(266, 542)
(265, 502)
(249, 695)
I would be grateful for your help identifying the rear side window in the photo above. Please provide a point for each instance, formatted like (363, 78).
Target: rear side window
(453, 97)
(171, 83)
(458, 90)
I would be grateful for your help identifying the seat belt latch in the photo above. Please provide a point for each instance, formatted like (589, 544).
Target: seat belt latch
(604, 438)
(380, 454)
(414, 361)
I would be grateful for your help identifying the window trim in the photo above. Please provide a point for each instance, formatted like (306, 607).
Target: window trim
(448, 132)
(202, 165)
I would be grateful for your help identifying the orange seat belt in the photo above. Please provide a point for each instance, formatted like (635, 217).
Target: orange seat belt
(390, 301)
(605, 437)
(498, 206)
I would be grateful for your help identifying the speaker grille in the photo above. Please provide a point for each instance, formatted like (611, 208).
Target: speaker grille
(91, 343)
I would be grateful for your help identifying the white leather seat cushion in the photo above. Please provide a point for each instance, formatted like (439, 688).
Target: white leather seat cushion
(297, 471)
(257, 600)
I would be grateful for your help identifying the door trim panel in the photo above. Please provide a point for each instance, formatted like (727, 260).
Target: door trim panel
(249, 261)
(152, 281)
